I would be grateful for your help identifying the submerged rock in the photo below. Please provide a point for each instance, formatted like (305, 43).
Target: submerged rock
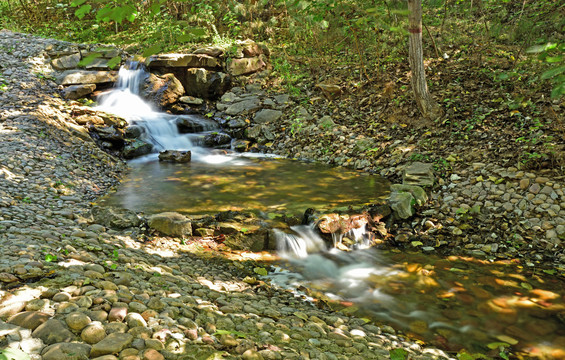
(175, 156)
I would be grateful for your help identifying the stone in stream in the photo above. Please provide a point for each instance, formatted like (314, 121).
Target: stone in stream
(74, 92)
(162, 90)
(402, 204)
(136, 148)
(175, 156)
(206, 84)
(75, 77)
(171, 223)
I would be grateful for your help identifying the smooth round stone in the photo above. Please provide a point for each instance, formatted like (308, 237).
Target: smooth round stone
(93, 333)
(62, 296)
(77, 321)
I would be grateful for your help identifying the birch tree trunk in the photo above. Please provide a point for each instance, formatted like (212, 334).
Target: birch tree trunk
(428, 108)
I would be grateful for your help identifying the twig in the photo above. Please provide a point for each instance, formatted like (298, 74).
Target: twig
(433, 40)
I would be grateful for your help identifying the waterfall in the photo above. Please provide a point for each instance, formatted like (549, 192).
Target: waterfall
(159, 129)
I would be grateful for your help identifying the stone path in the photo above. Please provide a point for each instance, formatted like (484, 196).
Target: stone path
(72, 288)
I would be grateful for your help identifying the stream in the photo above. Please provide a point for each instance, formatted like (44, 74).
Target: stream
(454, 303)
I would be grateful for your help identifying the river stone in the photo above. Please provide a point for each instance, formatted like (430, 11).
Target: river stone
(74, 92)
(75, 77)
(93, 333)
(66, 351)
(217, 139)
(401, 204)
(191, 100)
(53, 331)
(421, 174)
(77, 320)
(267, 116)
(113, 343)
(171, 223)
(152, 354)
(115, 217)
(206, 84)
(11, 304)
(162, 90)
(175, 156)
(29, 319)
(417, 192)
(136, 148)
(66, 62)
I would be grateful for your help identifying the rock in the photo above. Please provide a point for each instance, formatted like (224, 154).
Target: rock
(417, 192)
(152, 354)
(74, 92)
(53, 331)
(112, 344)
(66, 62)
(29, 319)
(267, 116)
(241, 145)
(217, 139)
(244, 106)
(206, 84)
(93, 333)
(115, 217)
(77, 321)
(236, 67)
(214, 51)
(69, 351)
(11, 304)
(182, 60)
(76, 77)
(194, 124)
(171, 223)
(175, 156)
(191, 100)
(418, 173)
(136, 148)
(162, 90)
(330, 91)
(402, 204)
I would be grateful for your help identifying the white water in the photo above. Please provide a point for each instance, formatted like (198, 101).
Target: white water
(159, 129)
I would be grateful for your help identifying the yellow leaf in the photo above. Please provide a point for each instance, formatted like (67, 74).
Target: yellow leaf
(480, 178)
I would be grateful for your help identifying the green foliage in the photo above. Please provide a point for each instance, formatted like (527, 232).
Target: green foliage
(398, 354)
(554, 55)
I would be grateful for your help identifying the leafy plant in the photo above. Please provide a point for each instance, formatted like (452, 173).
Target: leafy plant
(553, 54)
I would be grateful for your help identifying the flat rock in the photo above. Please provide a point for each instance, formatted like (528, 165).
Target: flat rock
(75, 77)
(115, 217)
(74, 92)
(112, 344)
(53, 331)
(74, 351)
(421, 174)
(29, 319)
(175, 156)
(245, 66)
(267, 116)
(171, 223)
(243, 106)
(182, 60)
(66, 62)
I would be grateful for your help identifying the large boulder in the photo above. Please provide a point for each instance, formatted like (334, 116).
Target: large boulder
(171, 223)
(115, 217)
(206, 84)
(162, 90)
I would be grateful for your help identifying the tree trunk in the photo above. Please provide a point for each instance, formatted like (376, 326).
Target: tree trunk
(428, 108)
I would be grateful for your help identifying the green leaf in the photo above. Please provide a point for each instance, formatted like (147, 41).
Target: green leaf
(558, 90)
(398, 354)
(496, 345)
(301, 316)
(76, 3)
(197, 31)
(82, 11)
(50, 258)
(552, 72)
(114, 61)
(526, 285)
(549, 272)
(260, 271)
(90, 58)
(13, 354)
(151, 50)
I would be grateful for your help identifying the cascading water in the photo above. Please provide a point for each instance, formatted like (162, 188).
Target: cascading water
(159, 129)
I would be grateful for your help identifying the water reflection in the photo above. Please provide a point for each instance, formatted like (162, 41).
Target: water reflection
(249, 184)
